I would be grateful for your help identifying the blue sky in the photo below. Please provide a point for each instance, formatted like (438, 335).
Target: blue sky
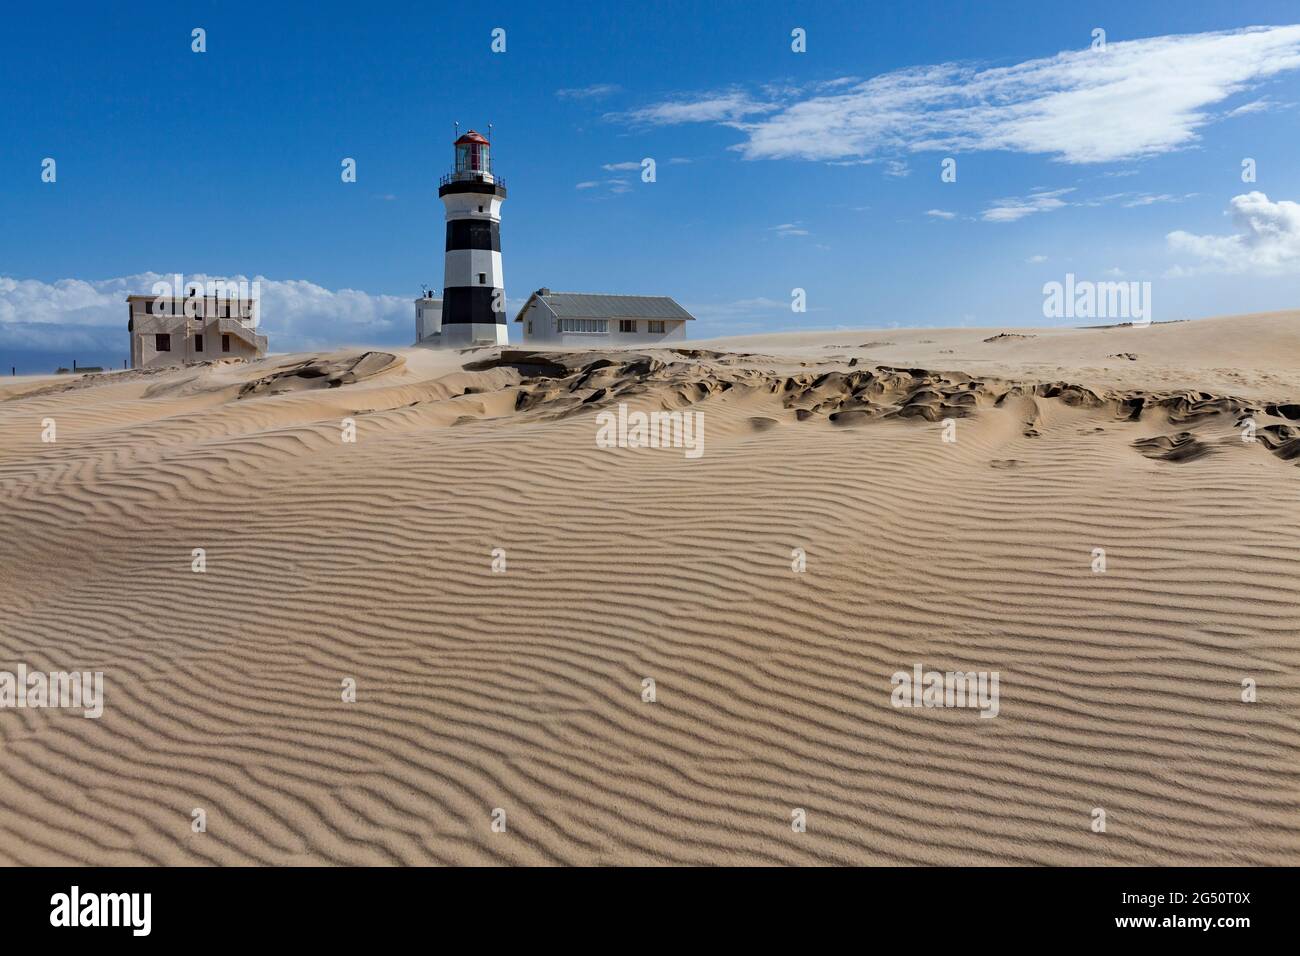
(774, 169)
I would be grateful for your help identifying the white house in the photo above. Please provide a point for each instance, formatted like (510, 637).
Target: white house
(581, 320)
(175, 330)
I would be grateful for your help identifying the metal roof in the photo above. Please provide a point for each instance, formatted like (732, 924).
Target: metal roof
(584, 305)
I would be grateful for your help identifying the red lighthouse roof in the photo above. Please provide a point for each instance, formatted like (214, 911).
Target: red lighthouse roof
(471, 137)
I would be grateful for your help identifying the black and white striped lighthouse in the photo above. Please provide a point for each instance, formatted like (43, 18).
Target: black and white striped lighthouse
(473, 294)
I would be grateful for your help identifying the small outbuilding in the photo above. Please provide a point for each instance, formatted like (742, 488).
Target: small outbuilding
(582, 319)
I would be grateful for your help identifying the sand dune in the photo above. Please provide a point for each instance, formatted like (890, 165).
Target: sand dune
(522, 690)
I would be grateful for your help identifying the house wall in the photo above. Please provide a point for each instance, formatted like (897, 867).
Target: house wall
(544, 333)
(428, 319)
(146, 328)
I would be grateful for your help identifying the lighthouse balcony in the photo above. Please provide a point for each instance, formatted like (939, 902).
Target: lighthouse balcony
(472, 182)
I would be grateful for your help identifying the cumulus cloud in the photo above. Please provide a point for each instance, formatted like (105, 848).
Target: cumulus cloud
(941, 214)
(1267, 240)
(1134, 99)
(296, 314)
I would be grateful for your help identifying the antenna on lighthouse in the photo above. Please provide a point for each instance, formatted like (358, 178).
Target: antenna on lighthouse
(457, 125)
(489, 132)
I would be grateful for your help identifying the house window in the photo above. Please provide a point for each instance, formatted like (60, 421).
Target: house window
(627, 325)
(225, 343)
(162, 342)
(198, 343)
(656, 327)
(591, 326)
(529, 326)
(482, 278)
(480, 208)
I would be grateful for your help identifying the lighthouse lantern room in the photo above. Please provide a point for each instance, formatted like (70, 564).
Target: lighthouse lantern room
(473, 306)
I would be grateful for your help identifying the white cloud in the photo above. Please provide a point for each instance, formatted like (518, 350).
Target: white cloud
(617, 167)
(1267, 243)
(593, 92)
(589, 184)
(1261, 105)
(740, 315)
(1147, 199)
(941, 214)
(724, 107)
(787, 229)
(1036, 259)
(1134, 99)
(1014, 208)
(897, 168)
(296, 314)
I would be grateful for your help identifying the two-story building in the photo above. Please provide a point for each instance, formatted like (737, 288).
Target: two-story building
(175, 330)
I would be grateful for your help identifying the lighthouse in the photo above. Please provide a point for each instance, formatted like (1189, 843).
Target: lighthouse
(473, 294)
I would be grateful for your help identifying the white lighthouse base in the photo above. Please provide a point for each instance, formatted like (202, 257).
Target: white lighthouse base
(465, 334)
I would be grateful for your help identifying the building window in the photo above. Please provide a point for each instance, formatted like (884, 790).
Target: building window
(225, 343)
(198, 343)
(627, 325)
(162, 343)
(482, 278)
(480, 208)
(590, 326)
(529, 327)
(656, 327)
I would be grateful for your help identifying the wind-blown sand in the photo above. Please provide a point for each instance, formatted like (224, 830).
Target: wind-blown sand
(522, 690)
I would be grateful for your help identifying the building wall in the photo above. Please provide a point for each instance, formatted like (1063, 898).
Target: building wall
(145, 354)
(145, 328)
(544, 332)
(467, 205)
(428, 318)
(471, 309)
